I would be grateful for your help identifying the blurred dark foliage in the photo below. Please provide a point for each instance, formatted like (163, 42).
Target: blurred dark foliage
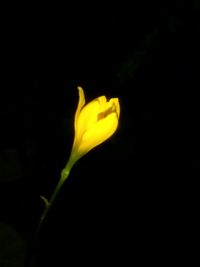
(128, 198)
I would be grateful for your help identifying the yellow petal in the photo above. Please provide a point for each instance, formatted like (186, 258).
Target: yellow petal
(87, 117)
(97, 134)
(81, 103)
(111, 106)
(102, 103)
(115, 103)
(89, 114)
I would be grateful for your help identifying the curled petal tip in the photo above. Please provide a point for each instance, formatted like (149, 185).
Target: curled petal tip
(81, 103)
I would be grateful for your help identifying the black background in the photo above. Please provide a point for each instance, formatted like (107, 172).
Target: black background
(133, 198)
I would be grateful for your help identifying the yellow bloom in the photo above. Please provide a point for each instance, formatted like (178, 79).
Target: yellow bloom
(94, 123)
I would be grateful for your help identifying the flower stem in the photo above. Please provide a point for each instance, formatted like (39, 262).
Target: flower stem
(64, 175)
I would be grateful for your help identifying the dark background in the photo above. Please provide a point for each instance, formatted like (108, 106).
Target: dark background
(133, 198)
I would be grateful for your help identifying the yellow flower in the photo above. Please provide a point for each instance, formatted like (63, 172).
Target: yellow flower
(94, 123)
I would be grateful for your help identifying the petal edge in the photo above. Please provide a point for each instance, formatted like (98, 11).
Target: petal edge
(81, 103)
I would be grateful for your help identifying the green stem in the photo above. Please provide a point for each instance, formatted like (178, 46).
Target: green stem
(64, 175)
